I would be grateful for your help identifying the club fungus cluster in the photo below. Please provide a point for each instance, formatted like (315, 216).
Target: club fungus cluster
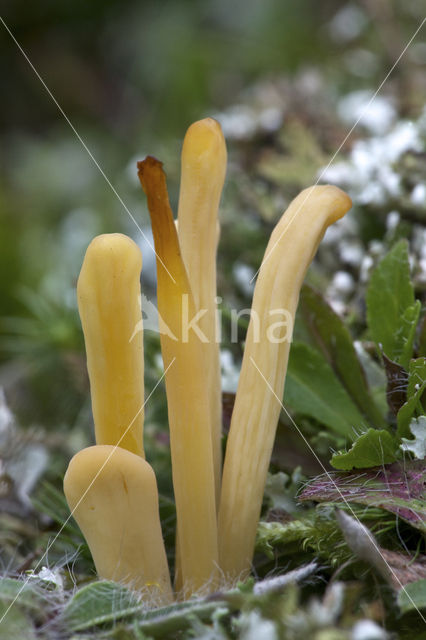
(110, 487)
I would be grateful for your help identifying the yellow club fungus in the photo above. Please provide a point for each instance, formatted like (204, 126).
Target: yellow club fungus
(187, 394)
(113, 496)
(290, 251)
(108, 293)
(203, 168)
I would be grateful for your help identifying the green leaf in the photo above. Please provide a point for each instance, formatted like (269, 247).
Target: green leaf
(99, 603)
(407, 331)
(415, 389)
(417, 446)
(22, 606)
(376, 377)
(16, 624)
(105, 603)
(312, 389)
(333, 338)
(406, 412)
(372, 449)
(416, 375)
(392, 313)
(413, 596)
(422, 337)
(23, 594)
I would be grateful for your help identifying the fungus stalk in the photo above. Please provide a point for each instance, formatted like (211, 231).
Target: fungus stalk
(203, 168)
(187, 394)
(114, 498)
(290, 250)
(108, 293)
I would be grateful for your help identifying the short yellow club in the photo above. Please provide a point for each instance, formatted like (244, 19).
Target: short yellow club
(113, 496)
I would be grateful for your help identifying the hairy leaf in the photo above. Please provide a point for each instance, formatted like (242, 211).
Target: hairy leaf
(398, 488)
(16, 623)
(105, 603)
(25, 595)
(99, 603)
(24, 605)
(369, 450)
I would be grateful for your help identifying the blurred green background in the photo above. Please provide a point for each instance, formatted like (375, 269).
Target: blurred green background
(131, 76)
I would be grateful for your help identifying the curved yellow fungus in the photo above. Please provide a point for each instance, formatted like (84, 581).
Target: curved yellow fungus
(291, 249)
(113, 496)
